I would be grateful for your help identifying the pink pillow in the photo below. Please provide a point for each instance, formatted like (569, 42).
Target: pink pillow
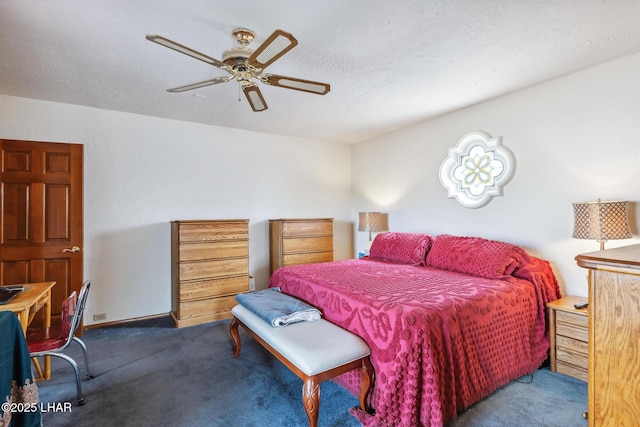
(408, 248)
(475, 255)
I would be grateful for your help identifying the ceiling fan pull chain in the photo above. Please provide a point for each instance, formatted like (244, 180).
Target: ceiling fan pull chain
(239, 99)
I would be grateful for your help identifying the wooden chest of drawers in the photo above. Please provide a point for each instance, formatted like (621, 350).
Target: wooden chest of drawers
(569, 345)
(614, 335)
(300, 241)
(209, 266)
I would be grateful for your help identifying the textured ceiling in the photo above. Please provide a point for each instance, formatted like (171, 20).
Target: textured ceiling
(390, 64)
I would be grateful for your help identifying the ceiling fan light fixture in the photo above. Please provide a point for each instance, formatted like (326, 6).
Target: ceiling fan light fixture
(243, 36)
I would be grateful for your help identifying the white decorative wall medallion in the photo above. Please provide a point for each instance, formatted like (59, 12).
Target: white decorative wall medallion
(477, 169)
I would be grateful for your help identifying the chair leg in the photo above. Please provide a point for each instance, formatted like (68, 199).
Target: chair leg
(39, 371)
(86, 356)
(74, 365)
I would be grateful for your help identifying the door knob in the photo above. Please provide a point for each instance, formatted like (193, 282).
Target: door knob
(73, 250)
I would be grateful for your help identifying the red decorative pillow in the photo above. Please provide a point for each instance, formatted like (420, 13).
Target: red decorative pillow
(408, 248)
(475, 255)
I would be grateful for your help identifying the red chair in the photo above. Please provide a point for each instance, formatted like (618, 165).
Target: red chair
(52, 341)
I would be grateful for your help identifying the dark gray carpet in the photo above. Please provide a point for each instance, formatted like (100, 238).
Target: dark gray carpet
(150, 374)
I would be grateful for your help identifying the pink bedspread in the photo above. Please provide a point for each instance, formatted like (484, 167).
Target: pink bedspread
(440, 340)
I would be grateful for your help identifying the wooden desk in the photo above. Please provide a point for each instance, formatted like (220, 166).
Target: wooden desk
(27, 303)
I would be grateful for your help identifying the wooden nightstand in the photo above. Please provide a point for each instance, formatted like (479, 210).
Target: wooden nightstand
(569, 330)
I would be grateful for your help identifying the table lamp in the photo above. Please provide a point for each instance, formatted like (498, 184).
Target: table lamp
(373, 222)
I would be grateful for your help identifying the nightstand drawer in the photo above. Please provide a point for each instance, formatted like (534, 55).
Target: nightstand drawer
(578, 320)
(572, 325)
(572, 357)
(573, 371)
(572, 345)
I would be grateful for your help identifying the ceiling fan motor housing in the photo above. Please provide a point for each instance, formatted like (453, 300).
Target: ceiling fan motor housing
(236, 60)
(236, 56)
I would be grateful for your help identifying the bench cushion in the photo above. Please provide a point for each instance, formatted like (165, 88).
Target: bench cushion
(313, 347)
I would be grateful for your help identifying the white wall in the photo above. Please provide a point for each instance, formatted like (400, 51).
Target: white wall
(575, 139)
(142, 172)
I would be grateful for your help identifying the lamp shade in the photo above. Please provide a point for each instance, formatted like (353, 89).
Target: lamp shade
(363, 221)
(373, 222)
(601, 221)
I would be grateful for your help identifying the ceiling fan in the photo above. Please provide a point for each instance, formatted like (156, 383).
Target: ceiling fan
(246, 65)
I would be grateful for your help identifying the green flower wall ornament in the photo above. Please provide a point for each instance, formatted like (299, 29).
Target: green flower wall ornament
(477, 169)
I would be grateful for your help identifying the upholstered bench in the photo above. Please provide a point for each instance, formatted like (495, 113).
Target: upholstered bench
(315, 351)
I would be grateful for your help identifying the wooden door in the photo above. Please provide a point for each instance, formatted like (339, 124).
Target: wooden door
(41, 226)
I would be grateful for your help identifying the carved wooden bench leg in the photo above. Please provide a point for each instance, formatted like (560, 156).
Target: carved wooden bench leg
(366, 387)
(311, 399)
(233, 329)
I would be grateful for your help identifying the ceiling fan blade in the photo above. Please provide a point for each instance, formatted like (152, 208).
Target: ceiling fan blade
(254, 96)
(186, 50)
(200, 84)
(278, 43)
(297, 84)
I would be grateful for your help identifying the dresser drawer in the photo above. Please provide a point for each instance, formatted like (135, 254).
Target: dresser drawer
(307, 258)
(233, 230)
(212, 288)
(308, 244)
(221, 249)
(307, 228)
(194, 312)
(214, 268)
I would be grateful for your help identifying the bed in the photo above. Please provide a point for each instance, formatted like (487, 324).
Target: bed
(449, 319)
